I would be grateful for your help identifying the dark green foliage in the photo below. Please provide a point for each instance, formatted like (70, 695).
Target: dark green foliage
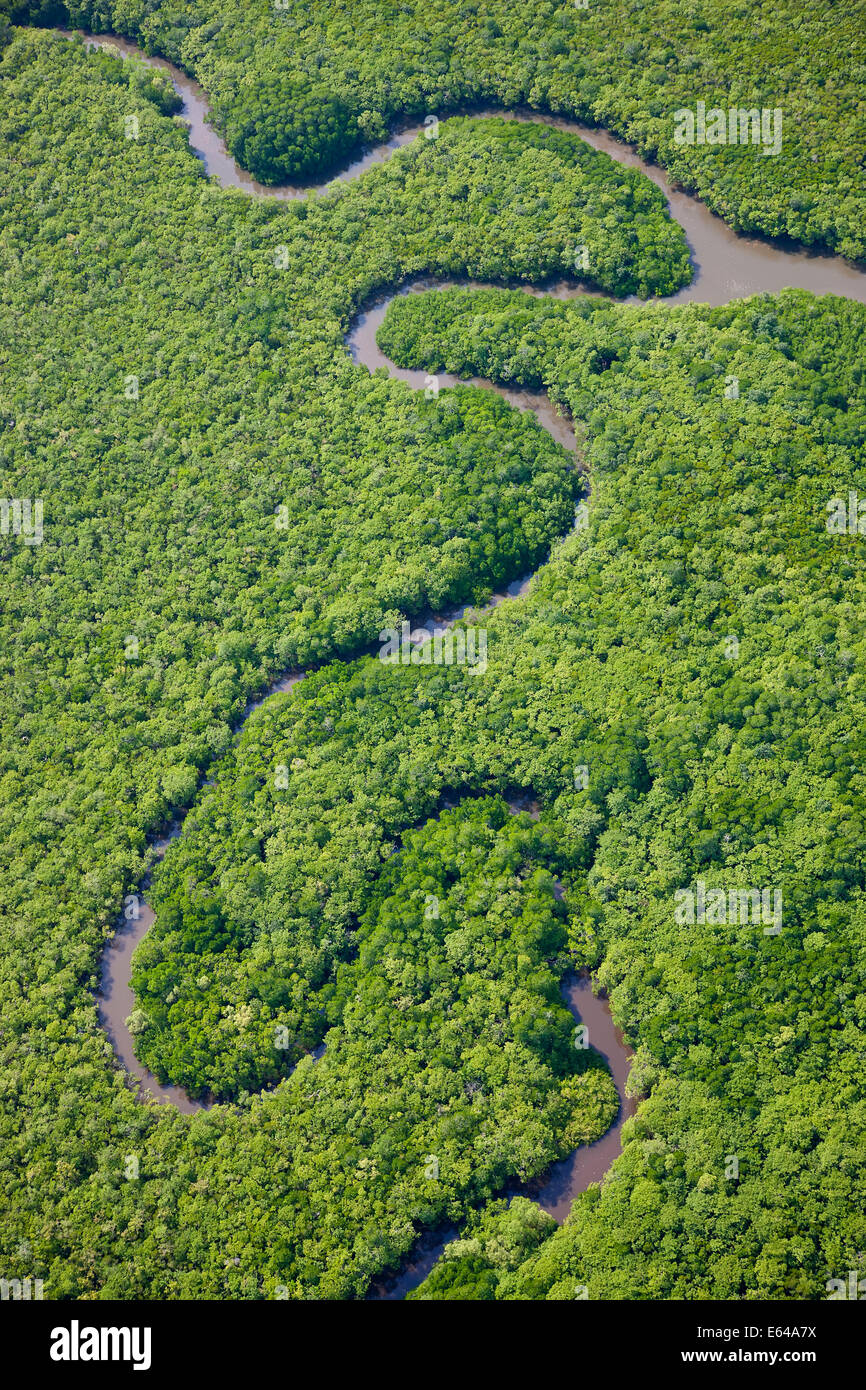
(715, 512)
(287, 128)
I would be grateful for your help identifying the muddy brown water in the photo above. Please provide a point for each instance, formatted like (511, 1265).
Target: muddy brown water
(726, 266)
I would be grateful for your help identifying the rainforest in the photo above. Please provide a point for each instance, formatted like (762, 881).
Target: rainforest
(418, 579)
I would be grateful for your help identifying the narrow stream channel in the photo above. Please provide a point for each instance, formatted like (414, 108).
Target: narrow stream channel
(726, 266)
(361, 342)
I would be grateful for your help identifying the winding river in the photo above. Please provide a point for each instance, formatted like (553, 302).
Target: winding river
(725, 266)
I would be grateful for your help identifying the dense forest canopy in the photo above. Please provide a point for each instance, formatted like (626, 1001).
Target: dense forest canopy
(227, 496)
